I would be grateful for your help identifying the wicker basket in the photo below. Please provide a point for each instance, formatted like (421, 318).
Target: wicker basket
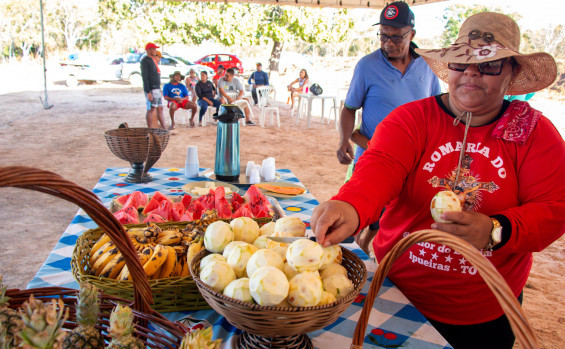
(265, 324)
(520, 326)
(155, 331)
(150, 326)
(131, 144)
(170, 294)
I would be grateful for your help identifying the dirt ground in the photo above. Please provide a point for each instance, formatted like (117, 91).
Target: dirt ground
(68, 139)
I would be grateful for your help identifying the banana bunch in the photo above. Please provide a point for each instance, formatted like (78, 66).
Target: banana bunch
(163, 252)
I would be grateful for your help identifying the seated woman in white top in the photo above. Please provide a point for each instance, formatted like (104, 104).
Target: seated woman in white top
(302, 86)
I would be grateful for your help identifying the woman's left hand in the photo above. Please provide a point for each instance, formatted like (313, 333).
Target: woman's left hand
(473, 227)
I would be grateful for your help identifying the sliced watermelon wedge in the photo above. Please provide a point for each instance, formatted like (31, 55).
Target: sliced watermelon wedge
(243, 211)
(236, 201)
(187, 216)
(137, 199)
(208, 200)
(164, 210)
(195, 208)
(223, 207)
(186, 199)
(160, 197)
(127, 215)
(153, 218)
(256, 200)
(177, 211)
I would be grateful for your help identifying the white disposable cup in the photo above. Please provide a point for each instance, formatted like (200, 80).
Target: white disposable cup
(269, 170)
(255, 177)
(250, 165)
(191, 167)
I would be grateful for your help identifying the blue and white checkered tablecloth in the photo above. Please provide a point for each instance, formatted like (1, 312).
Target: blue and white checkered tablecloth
(394, 322)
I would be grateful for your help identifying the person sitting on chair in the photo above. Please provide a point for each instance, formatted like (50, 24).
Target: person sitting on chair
(302, 81)
(230, 84)
(190, 83)
(206, 93)
(177, 95)
(258, 78)
(220, 74)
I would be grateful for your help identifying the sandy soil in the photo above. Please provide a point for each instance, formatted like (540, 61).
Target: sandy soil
(68, 140)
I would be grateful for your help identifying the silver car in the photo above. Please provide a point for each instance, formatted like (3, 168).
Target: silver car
(91, 68)
(131, 70)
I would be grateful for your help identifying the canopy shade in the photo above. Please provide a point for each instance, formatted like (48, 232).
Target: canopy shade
(372, 4)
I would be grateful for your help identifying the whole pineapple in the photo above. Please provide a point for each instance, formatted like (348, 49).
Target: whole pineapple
(200, 339)
(121, 329)
(43, 324)
(10, 321)
(86, 335)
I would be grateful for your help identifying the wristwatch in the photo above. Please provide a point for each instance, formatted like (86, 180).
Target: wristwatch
(495, 235)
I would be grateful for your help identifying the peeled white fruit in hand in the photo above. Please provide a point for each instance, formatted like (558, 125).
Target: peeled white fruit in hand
(305, 289)
(244, 229)
(238, 258)
(267, 229)
(268, 286)
(333, 269)
(444, 201)
(338, 285)
(304, 255)
(217, 236)
(239, 289)
(211, 258)
(217, 275)
(263, 258)
(290, 225)
(327, 298)
(332, 254)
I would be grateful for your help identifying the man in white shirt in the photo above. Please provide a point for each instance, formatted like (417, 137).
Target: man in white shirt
(228, 83)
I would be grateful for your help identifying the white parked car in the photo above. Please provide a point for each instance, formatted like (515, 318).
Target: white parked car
(90, 68)
(131, 70)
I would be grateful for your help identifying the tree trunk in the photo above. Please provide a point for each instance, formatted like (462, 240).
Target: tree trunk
(275, 56)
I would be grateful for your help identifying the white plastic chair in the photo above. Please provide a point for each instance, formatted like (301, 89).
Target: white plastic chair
(267, 105)
(241, 103)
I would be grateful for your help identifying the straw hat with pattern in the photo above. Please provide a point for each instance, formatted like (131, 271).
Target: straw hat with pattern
(489, 36)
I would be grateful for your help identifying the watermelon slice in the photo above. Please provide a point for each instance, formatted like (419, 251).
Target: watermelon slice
(195, 208)
(243, 211)
(208, 200)
(236, 201)
(177, 211)
(223, 207)
(187, 216)
(256, 200)
(127, 215)
(160, 197)
(137, 199)
(164, 210)
(154, 218)
(186, 199)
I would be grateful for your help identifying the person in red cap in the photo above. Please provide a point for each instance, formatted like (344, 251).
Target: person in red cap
(152, 87)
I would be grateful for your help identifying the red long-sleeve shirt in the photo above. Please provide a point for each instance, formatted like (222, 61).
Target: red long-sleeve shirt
(412, 156)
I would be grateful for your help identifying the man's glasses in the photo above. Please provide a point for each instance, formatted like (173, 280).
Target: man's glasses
(486, 68)
(397, 39)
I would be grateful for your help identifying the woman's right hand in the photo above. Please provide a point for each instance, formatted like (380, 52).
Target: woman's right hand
(333, 221)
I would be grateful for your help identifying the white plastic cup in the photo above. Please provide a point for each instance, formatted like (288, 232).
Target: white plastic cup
(255, 176)
(191, 166)
(250, 165)
(269, 170)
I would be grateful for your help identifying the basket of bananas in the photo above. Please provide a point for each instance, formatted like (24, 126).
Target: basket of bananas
(56, 317)
(164, 251)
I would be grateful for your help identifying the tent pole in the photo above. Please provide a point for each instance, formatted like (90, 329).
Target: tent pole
(46, 101)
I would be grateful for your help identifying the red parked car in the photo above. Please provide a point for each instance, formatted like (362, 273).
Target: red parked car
(227, 60)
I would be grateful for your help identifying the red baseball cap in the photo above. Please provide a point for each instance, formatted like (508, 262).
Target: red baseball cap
(150, 45)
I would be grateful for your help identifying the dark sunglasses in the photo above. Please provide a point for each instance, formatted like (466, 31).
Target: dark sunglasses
(397, 39)
(486, 68)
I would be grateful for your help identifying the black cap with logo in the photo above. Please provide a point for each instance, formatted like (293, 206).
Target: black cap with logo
(397, 15)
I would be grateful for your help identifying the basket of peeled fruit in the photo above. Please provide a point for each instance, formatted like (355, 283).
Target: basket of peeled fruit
(275, 292)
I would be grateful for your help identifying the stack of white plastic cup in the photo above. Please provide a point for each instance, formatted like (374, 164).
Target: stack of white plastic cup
(269, 169)
(191, 166)
(249, 168)
(255, 176)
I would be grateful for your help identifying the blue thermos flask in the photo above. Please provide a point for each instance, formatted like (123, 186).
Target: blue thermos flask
(227, 166)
